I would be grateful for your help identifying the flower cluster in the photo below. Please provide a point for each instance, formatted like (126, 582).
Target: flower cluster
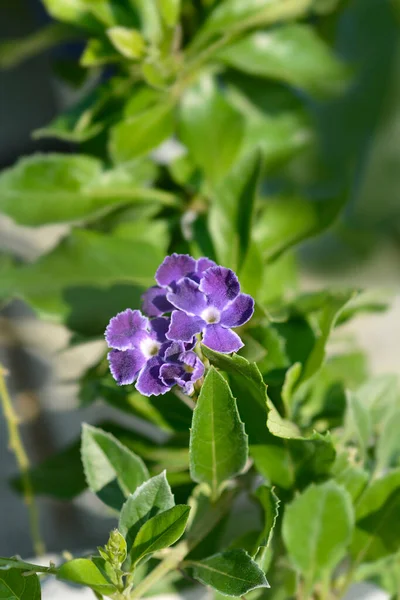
(192, 297)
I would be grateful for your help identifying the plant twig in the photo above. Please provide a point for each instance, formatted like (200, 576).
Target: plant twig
(17, 447)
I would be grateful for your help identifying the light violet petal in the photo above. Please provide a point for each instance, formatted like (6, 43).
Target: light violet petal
(149, 382)
(220, 285)
(222, 340)
(125, 329)
(155, 302)
(174, 267)
(159, 326)
(238, 312)
(203, 264)
(183, 327)
(187, 297)
(125, 365)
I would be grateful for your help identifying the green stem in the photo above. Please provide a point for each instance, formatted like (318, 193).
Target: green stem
(17, 447)
(177, 554)
(170, 563)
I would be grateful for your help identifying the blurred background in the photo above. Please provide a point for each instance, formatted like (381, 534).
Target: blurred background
(359, 132)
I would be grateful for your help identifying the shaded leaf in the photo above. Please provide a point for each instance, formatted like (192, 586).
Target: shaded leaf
(84, 258)
(270, 504)
(277, 231)
(57, 188)
(112, 471)
(160, 532)
(206, 117)
(218, 443)
(249, 390)
(294, 54)
(326, 322)
(231, 214)
(357, 422)
(317, 527)
(232, 573)
(377, 531)
(16, 586)
(139, 134)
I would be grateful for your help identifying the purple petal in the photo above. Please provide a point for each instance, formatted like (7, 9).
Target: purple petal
(187, 297)
(173, 351)
(238, 312)
(222, 340)
(203, 264)
(126, 329)
(155, 302)
(125, 365)
(160, 326)
(170, 373)
(149, 382)
(192, 360)
(220, 285)
(183, 327)
(173, 268)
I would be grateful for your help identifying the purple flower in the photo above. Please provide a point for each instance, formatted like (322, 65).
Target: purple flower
(140, 350)
(211, 307)
(172, 269)
(173, 366)
(134, 340)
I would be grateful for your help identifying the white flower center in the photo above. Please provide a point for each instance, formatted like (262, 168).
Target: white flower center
(149, 347)
(211, 315)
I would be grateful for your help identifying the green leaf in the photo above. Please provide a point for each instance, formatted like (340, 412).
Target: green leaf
(75, 12)
(291, 378)
(112, 471)
(231, 214)
(84, 572)
(16, 586)
(377, 531)
(15, 563)
(128, 42)
(388, 444)
(57, 188)
(160, 532)
(249, 389)
(232, 573)
(270, 504)
(273, 461)
(276, 231)
(293, 54)
(218, 443)
(326, 322)
(380, 394)
(206, 117)
(357, 423)
(99, 52)
(353, 478)
(84, 258)
(282, 428)
(170, 11)
(317, 527)
(150, 499)
(278, 137)
(236, 15)
(140, 134)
